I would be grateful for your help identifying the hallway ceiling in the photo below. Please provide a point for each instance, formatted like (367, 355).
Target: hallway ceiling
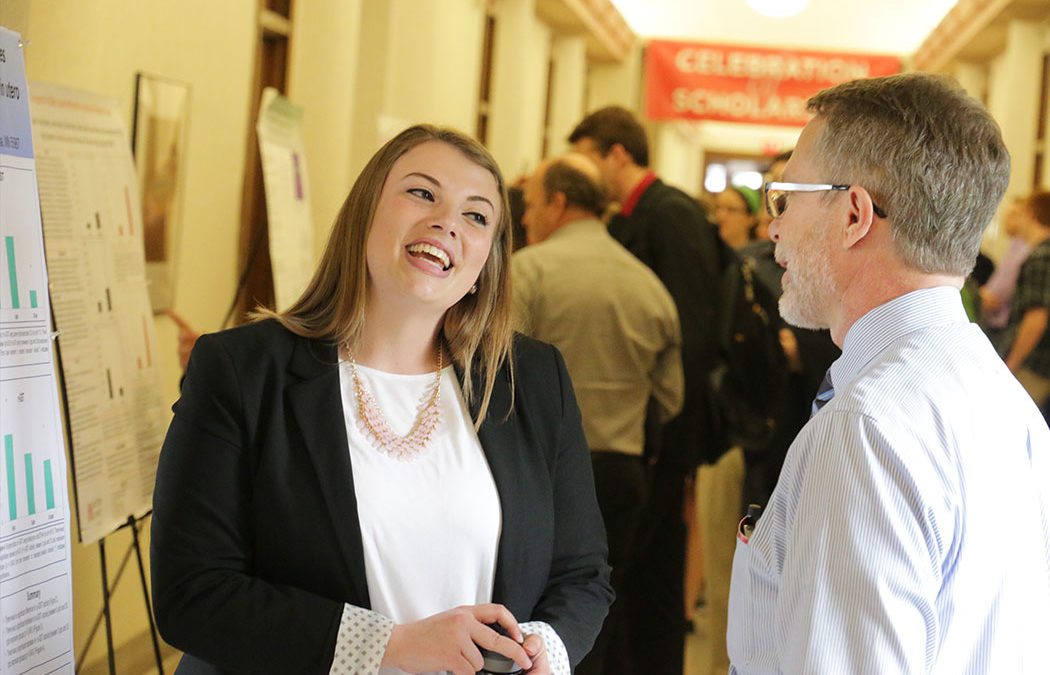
(871, 26)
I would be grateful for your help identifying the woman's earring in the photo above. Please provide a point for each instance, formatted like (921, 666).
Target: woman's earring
(473, 289)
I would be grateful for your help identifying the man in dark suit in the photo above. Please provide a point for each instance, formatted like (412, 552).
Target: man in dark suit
(666, 229)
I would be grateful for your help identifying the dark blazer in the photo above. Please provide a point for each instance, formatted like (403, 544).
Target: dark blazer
(256, 544)
(669, 232)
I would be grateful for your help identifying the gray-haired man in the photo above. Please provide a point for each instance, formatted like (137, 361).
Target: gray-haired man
(909, 529)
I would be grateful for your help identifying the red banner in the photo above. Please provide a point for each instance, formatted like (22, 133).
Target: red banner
(696, 81)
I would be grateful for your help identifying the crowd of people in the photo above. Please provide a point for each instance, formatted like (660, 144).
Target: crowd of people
(401, 474)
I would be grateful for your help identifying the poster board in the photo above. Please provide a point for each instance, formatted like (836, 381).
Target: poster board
(36, 615)
(289, 218)
(89, 201)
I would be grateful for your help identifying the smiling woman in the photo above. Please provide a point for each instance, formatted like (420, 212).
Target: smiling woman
(318, 455)
(431, 234)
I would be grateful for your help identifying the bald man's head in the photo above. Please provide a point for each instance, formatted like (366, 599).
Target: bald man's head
(575, 176)
(560, 191)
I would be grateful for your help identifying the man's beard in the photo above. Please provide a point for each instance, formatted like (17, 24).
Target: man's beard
(805, 300)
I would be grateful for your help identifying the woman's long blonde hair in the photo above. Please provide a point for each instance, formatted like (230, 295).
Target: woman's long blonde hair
(477, 329)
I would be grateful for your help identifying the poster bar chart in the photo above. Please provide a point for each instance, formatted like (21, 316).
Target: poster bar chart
(12, 270)
(14, 297)
(9, 462)
(49, 485)
(16, 287)
(28, 496)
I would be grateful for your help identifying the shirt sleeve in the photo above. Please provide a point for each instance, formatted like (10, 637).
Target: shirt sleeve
(557, 656)
(861, 554)
(1033, 287)
(361, 641)
(363, 636)
(668, 377)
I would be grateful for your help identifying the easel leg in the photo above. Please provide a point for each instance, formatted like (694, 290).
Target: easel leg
(105, 608)
(145, 594)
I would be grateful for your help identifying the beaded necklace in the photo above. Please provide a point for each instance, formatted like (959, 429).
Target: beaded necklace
(374, 423)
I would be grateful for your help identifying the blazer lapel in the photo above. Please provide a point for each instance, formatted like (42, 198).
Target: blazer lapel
(317, 411)
(499, 438)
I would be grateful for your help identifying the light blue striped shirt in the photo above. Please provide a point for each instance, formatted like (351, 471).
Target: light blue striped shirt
(908, 532)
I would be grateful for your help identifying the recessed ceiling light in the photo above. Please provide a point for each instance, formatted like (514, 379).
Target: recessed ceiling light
(778, 9)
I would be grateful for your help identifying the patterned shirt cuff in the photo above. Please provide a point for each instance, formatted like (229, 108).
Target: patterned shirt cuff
(361, 642)
(557, 656)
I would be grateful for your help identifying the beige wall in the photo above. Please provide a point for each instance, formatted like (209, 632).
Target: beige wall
(14, 15)
(434, 61)
(417, 61)
(677, 155)
(1013, 99)
(371, 75)
(519, 87)
(617, 83)
(323, 77)
(569, 54)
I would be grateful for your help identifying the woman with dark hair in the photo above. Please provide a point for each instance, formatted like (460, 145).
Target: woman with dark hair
(1027, 341)
(736, 213)
(373, 479)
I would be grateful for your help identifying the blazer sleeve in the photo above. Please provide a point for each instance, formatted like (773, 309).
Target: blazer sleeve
(207, 599)
(578, 593)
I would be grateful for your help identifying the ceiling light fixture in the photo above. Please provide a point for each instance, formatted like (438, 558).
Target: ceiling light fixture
(778, 9)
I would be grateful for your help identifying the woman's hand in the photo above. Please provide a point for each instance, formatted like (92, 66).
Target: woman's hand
(450, 641)
(187, 337)
(537, 651)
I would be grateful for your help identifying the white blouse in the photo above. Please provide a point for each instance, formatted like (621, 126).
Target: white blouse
(430, 525)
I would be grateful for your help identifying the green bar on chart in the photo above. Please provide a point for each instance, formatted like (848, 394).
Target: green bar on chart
(49, 486)
(11, 273)
(32, 299)
(30, 499)
(9, 454)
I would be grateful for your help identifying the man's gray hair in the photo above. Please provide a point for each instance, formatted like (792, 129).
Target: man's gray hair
(931, 157)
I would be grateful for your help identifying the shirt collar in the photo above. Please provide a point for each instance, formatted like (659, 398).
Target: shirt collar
(577, 226)
(885, 324)
(632, 199)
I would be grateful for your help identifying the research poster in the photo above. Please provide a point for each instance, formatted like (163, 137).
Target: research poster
(36, 618)
(289, 218)
(89, 200)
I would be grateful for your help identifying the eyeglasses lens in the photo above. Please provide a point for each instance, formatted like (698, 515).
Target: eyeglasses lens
(776, 202)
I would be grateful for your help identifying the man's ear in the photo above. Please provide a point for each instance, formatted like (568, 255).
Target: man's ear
(620, 153)
(559, 201)
(861, 217)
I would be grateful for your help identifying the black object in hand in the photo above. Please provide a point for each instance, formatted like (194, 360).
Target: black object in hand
(496, 663)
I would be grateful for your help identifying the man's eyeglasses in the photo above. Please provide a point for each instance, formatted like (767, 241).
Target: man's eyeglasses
(777, 195)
